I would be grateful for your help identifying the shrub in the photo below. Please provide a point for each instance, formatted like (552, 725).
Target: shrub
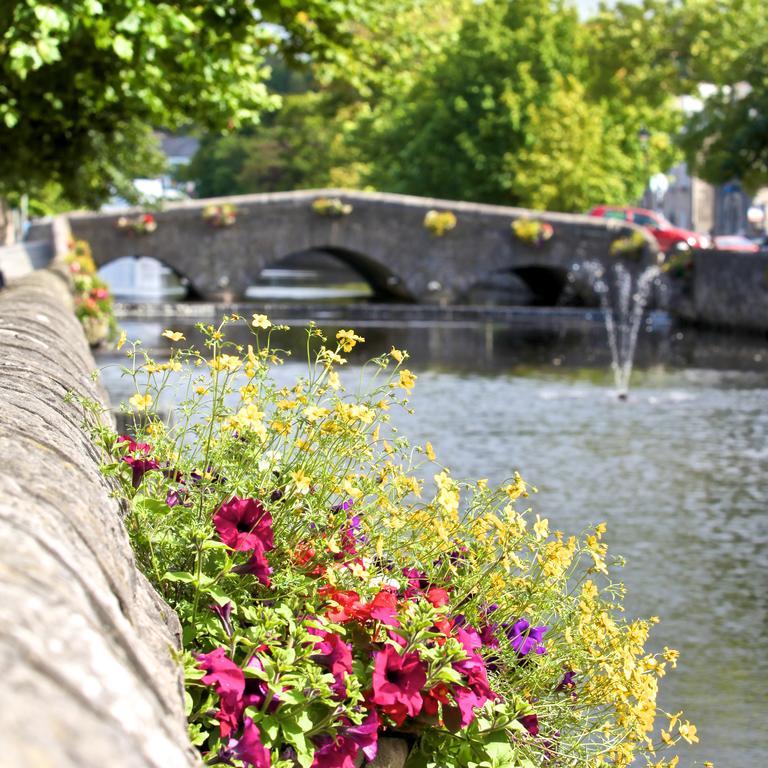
(532, 231)
(329, 595)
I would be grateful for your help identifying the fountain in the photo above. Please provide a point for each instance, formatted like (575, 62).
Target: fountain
(623, 301)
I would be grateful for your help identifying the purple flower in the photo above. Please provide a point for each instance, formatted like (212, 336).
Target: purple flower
(249, 747)
(138, 459)
(525, 638)
(257, 566)
(366, 735)
(530, 723)
(343, 506)
(224, 612)
(567, 681)
(338, 753)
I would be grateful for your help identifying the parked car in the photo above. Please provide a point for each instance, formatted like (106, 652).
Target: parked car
(737, 243)
(668, 236)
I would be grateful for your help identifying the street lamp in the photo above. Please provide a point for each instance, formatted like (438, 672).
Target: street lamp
(643, 136)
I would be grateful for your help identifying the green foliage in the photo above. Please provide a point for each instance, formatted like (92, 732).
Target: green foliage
(82, 81)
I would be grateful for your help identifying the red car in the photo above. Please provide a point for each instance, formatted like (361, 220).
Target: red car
(668, 236)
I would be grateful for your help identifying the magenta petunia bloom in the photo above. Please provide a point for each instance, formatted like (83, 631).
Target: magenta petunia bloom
(137, 459)
(398, 680)
(335, 655)
(244, 525)
(366, 735)
(224, 612)
(338, 753)
(530, 723)
(229, 683)
(525, 638)
(466, 703)
(249, 748)
(256, 690)
(226, 677)
(256, 566)
(383, 608)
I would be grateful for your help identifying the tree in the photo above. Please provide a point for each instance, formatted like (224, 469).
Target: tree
(505, 114)
(82, 81)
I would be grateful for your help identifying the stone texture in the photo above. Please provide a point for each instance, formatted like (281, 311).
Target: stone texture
(85, 642)
(392, 753)
(384, 238)
(730, 290)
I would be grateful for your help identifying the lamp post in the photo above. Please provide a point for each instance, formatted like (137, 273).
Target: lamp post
(643, 136)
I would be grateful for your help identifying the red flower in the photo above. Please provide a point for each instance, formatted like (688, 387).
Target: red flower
(398, 680)
(434, 697)
(244, 525)
(383, 608)
(438, 596)
(346, 605)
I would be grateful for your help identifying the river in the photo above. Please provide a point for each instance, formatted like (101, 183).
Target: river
(679, 472)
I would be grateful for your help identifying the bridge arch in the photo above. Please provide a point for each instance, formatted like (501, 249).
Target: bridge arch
(384, 283)
(109, 267)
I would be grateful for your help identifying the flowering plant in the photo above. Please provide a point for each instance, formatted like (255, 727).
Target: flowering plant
(328, 595)
(532, 231)
(630, 247)
(439, 222)
(331, 206)
(94, 305)
(144, 224)
(220, 215)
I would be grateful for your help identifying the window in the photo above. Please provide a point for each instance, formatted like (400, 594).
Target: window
(615, 215)
(645, 221)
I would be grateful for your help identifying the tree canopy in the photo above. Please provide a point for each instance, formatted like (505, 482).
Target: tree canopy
(81, 81)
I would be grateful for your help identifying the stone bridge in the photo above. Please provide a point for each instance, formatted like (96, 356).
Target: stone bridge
(383, 238)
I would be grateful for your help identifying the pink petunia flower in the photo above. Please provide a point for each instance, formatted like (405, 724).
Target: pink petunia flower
(335, 655)
(244, 525)
(366, 735)
(398, 680)
(138, 459)
(338, 753)
(257, 566)
(228, 681)
(249, 747)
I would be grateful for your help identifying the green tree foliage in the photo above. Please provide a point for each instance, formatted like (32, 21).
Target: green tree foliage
(81, 80)
(507, 114)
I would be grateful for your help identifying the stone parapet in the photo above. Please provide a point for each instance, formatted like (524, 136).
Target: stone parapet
(85, 642)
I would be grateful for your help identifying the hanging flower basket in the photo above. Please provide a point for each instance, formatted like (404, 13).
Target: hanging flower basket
(439, 222)
(331, 206)
(220, 216)
(144, 224)
(532, 231)
(629, 247)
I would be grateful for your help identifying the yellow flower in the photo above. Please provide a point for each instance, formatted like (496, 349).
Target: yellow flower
(334, 382)
(201, 390)
(261, 321)
(671, 655)
(667, 738)
(140, 402)
(314, 413)
(121, 340)
(228, 363)
(398, 355)
(541, 528)
(407, 380)
(173, 335)
(688, 732)
(709, 764)
(301, 481)
(517, 488)
(429, 451)
(348, 339)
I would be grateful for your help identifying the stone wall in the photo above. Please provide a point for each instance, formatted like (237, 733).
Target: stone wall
(729, 290)
(85, 642)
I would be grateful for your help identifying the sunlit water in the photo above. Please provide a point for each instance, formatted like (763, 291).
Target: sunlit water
(679, 472)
